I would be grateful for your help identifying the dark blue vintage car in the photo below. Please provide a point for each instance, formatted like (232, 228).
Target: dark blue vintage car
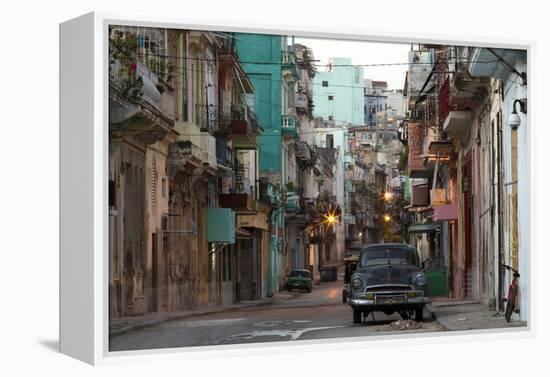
(389, 278)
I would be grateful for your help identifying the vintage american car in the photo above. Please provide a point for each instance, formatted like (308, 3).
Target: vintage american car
(300, 280)
(389, 278)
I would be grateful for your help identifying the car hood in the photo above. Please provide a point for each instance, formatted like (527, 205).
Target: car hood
(388, 274)
(296, 278)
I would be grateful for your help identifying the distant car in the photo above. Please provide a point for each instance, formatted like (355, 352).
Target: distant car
(388, 278)
(300, 280)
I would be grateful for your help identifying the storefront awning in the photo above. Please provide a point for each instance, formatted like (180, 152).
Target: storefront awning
(445, 212)
(423, 228)
(242, 233)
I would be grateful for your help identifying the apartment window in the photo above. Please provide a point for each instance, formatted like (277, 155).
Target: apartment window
(330, 141)
(164, 187)
(184, 99)
(111, 193)
(330, 117)
(330, 98)
(325, 83)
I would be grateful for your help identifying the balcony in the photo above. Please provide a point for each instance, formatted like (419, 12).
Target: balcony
(484, 63)
(438, 197)
(140, 103)
(289, 128)
(239, 202)
(349, 219)
(184, 156)
(301, 102)
(242, 136)
(269, 194)
(288, 65)
(417, 134)
(208, 149)
(292, 202)
(458, 121)
(420, 196)
(303, 153)
(224, 156)
(444, 99)
(208, 118)
(244, 129)
(420, 66)
(348, 185)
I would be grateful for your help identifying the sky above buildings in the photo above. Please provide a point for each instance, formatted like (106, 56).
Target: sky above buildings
(364, 53)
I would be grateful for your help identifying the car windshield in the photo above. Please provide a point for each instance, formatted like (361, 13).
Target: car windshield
(300, 274)
(393, 256)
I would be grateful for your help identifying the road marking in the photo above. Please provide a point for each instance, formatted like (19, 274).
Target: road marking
(273, 323)
(294, 334)
(204, 322)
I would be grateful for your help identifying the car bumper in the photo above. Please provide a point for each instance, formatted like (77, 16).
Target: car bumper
(398, 300)
(297, 286)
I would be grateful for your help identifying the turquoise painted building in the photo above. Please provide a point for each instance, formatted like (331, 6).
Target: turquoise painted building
(338, 93)
(261, 58)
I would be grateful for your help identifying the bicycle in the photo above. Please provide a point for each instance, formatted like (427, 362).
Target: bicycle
(511, 301)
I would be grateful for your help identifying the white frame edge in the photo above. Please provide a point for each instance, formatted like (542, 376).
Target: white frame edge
(83, 191)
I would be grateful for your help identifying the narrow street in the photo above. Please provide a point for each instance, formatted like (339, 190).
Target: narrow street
(251, 174)
(292, 317)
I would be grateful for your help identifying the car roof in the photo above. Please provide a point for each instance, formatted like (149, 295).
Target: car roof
(378, 246)
(298, 269)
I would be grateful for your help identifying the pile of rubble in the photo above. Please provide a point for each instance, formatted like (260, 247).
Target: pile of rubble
(406, 324)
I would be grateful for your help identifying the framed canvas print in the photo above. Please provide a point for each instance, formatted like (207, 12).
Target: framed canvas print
(232, 188)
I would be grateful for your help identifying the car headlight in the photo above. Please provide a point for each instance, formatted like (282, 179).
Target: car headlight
(420, 279)
(357, 283)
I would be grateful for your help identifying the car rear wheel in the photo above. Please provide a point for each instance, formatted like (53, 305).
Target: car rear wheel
(357, 316)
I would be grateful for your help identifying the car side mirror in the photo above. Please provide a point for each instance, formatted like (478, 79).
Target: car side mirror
(424, 262)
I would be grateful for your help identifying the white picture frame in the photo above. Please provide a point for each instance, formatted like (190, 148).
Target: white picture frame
(83, 189)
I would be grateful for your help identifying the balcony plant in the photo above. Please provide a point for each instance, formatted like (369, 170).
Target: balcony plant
(122, 48)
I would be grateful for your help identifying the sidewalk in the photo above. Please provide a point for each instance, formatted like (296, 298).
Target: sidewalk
(455, 315)
(326, 293)
(119, 326)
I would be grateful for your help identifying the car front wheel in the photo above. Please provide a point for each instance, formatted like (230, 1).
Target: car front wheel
(357, 316)
(418, 315)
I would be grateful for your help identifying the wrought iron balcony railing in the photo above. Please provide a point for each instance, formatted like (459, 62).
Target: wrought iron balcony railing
(207, 118)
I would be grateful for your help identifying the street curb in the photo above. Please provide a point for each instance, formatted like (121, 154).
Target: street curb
(434, 317)
(129, 328)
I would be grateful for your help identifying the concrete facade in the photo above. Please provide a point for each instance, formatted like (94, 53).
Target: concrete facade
(338, 93)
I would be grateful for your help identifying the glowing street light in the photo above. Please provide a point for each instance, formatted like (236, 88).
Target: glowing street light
(387, 218)
(387, 196)
(330, 217)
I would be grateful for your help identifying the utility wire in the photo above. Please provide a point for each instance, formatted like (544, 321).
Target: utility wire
(280, 63)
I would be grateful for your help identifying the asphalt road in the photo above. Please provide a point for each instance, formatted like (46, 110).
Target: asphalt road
(292, 317)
